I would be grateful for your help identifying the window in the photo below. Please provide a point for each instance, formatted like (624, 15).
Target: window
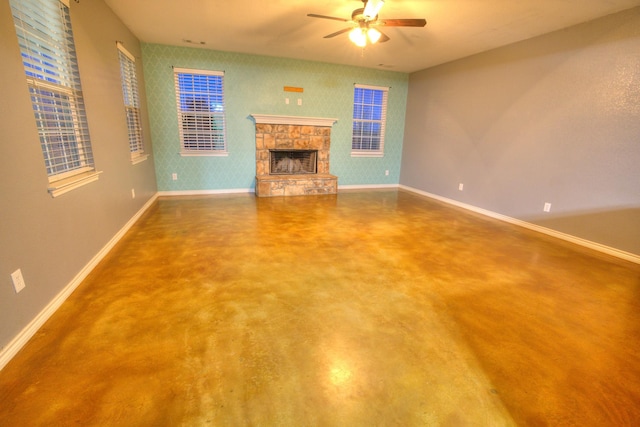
(48, 53)
(201, 118)
(369, 118)
(131, 103)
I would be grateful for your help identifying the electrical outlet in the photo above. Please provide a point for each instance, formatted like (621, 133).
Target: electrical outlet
(174, 176)
(461, 186)
(286, 101)
(547, 207)
(299, 101)
(133, 193)
(18, 280)
(386, 172)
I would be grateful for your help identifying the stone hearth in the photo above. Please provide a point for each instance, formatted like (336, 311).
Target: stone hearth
(293, 133)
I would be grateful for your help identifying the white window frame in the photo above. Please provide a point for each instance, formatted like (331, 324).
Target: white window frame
(363, 123)
(45, 37)
(130, 94)
(202, 131)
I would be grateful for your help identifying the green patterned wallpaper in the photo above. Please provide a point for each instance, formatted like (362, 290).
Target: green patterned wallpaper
(255, 84)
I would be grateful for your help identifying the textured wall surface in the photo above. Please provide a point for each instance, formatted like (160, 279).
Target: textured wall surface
(255, 84)
(49, 239)
(555, 119)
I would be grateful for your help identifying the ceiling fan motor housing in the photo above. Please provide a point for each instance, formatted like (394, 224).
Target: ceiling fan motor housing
(358, 16)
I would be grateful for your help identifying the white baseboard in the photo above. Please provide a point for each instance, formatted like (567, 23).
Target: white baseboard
(366, 187)
(30, 330)
(205, 192)
(627, 256)
(252, 190)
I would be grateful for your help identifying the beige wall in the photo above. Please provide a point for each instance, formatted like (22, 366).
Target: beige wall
(51, 240)
(552, 119)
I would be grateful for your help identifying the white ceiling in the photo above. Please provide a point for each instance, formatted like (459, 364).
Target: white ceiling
(455, 28)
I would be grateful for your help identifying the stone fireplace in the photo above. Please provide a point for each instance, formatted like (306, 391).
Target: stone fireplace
(292, 156)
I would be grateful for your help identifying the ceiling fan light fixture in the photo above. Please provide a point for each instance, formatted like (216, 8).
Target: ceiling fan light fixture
(359, 36)
(363, 21)
(372, 8)
(374, 35)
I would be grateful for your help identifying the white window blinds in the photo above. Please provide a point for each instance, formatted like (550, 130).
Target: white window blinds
(48, 52)
(201, 111)
(131, 101)
(369, 120)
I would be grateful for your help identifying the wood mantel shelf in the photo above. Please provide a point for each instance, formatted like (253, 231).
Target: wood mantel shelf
(293, 120)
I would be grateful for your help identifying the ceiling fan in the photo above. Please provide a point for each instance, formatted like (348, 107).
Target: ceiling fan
(364, 22)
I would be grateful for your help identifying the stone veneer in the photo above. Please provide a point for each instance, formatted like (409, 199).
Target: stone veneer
(293, 133)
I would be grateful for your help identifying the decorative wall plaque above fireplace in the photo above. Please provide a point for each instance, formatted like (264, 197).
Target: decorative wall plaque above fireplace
(292, 156)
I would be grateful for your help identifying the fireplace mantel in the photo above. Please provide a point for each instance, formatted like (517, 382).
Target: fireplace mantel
(293, 120)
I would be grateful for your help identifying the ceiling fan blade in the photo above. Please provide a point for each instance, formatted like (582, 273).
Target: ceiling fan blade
(402, 22)
(337, 33)
(313, 15)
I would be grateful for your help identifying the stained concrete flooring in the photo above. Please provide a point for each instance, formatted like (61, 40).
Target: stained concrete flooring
(378, 308)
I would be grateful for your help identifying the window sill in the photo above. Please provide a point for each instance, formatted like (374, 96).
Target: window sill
(367, 154)
(139, 158)
(63, 186)
(204, 154)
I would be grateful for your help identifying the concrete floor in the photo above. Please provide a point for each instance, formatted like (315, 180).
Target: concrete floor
(361, 309)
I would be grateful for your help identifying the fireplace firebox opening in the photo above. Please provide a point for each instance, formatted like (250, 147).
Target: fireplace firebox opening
(292, 162)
